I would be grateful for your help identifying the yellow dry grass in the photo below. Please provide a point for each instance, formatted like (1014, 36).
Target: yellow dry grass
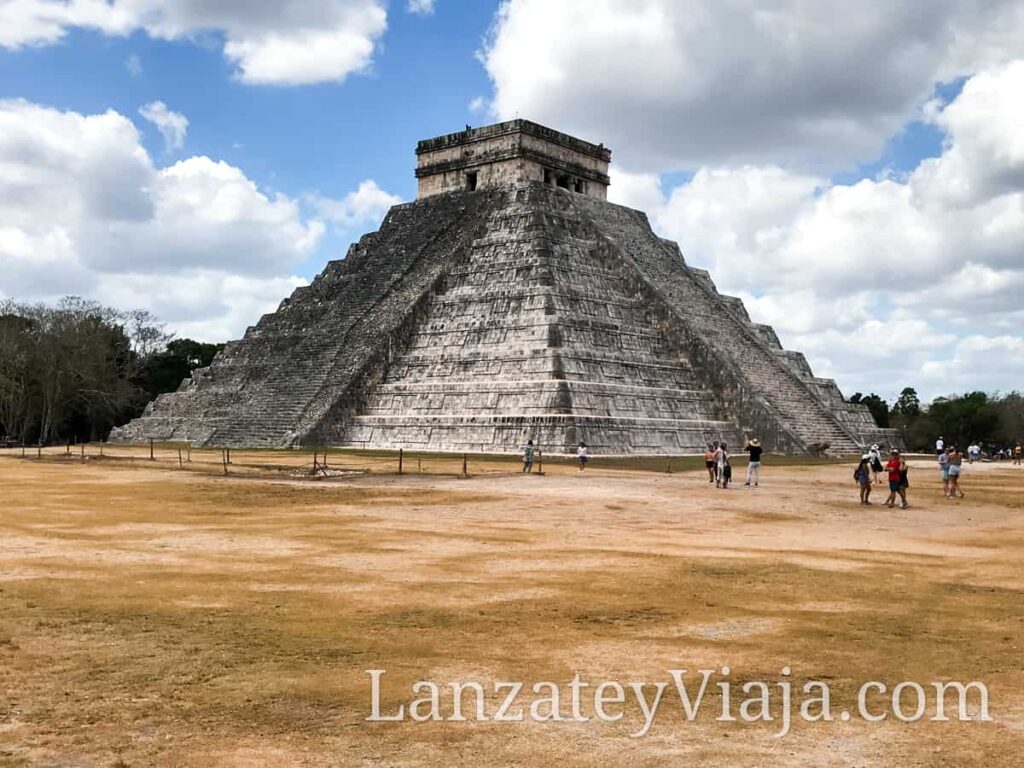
(154, 617)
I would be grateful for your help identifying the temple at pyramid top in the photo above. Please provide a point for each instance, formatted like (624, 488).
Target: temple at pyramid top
(511, 153)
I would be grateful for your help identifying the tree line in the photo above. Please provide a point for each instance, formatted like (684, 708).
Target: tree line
(73, 371)
(993, 420)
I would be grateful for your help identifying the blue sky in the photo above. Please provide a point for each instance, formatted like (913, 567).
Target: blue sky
(843, 170)
(325, 137)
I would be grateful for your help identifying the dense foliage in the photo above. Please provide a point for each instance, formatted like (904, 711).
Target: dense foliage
(995, 421)
(73, 371)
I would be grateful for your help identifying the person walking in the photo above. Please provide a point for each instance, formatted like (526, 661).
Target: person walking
(944, 472)
(755, 450)
(898, 482)
(528, 451)
(863, 477)
(581, 456)
(956, 460)
(1018, 452)
(876, 463)
(709, 461)
(940, 446)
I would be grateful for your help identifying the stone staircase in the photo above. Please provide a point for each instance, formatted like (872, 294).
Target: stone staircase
(799, 411)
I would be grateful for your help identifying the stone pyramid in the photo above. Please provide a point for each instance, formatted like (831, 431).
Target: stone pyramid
(509, 302)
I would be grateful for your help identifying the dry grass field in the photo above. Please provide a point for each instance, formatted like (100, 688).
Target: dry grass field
(158, 617)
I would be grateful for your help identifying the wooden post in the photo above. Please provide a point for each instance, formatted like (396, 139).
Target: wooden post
(188, 453)
(419, 465)
(668, 466)
(180, 462)
(224, 459)
(68, 452)
(101, 448)
(83, 452)
(399, 461)
(465, 466)
(151, 457)
(227, 453)
(39, 451)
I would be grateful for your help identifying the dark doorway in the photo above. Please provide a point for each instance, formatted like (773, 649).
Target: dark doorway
(471, 181)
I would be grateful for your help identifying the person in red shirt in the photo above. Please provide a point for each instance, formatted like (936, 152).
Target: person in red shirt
(896, 469)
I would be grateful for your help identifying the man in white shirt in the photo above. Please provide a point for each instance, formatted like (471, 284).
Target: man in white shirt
(940, 446)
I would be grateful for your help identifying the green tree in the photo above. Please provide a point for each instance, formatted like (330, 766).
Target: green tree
(908, 404)
(963, 419)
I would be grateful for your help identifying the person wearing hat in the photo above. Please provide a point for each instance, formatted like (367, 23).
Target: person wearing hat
(897, 470)
(875, 454)
(755, 450)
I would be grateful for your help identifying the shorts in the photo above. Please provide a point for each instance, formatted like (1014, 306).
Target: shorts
(864, 480)
(709, 464)
(944, 474)
(582, 459)
(954, 470)
(894, 486)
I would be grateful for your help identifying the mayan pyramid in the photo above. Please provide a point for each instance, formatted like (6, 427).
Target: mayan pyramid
(509, 302)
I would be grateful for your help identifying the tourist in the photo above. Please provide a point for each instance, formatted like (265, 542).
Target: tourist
(944, 472)
(863, 477)
(876, 463)
(528, 451)
(581, 456)
(940, 446)
(898, 482)
(973, 452)
(753, 447)
(956, 460)
(709, 461)
(724, 470)
(1018, 452)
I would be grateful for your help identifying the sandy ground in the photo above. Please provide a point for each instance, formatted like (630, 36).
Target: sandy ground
(153, 617)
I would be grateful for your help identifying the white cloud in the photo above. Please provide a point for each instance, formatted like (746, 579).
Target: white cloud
(301, 41)
(172, 125)
(365, 206)
(84, 210)
(421, 7)
(882, 283)
(676, 85)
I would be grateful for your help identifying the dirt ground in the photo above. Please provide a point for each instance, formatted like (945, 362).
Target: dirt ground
(158, 617)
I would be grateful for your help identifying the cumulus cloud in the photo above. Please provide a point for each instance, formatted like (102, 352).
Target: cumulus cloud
(85, 210)
(676, 85)
(172, 125)
(885, 282)
(365, 206)
(269, 42)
